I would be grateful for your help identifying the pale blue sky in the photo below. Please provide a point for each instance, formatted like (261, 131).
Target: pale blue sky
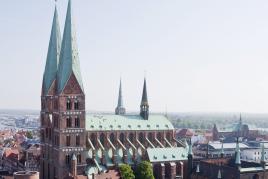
(199, 55)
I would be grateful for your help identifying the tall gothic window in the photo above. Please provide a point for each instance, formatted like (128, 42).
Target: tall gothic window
(68, 122)
(79, 158)
(68, 105)
(76, 104)
(68, 140)
(77, 140)
(67, 159)
(77, 122)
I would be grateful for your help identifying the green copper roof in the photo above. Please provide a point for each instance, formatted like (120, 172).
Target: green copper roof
(127, 122)
(167, 154)
(52, 55)
(69, 60)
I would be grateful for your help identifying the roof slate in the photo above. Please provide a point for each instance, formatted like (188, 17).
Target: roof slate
(167, 154)
(127, 122)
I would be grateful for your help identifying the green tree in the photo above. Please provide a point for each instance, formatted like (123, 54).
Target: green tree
(126, 172)
(29, 135)
(144, 170)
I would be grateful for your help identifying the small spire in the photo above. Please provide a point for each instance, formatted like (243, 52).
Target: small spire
(120, 110)
(74, 157)
(144, 107)
(240, 119)
(144, 100)
(219, 174)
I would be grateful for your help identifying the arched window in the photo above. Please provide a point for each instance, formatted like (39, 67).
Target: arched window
(68, 105)
(159, 136)
(141, 138)
(76, 104)
(131, 137)
(93, 139)
(77, 140)
(68, 122)
(122, 137)
(77, 122)
(67, 159)
(79, 158)
(150, 136)
(112, 138)
(102, 139)
(68, 140)
(168, 136)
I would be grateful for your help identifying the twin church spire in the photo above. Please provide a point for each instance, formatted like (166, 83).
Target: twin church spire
(144, 107)
(63, 62)
(62, 59)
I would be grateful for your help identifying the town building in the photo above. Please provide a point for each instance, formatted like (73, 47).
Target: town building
(76, 144)
(230, 133)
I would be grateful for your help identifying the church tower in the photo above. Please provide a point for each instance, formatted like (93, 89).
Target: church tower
(144, 107)
(48, 97)
(120, 110)
(67, 115)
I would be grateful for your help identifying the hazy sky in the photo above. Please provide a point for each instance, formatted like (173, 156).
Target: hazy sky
(199, 55)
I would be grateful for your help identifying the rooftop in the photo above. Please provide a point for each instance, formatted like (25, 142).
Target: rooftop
(127, 122)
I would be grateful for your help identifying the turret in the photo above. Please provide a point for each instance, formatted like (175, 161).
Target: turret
(74, 166)
(120, 110)
(144, 107)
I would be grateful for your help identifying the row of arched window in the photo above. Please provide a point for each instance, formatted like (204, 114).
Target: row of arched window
(69, 122)
(68, 140)
(69, 105)
(131, 137)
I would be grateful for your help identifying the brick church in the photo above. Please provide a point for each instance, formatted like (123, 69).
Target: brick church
(77, 144)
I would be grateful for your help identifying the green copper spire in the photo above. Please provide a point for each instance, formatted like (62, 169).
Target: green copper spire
(120, 110)
(69, 60)
(52, 55)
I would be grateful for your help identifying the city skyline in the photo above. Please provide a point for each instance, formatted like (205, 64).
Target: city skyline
(220, 67)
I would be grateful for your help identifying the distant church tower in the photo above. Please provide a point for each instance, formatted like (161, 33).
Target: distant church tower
(120, 110)
(144, 107)
(63, 104)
